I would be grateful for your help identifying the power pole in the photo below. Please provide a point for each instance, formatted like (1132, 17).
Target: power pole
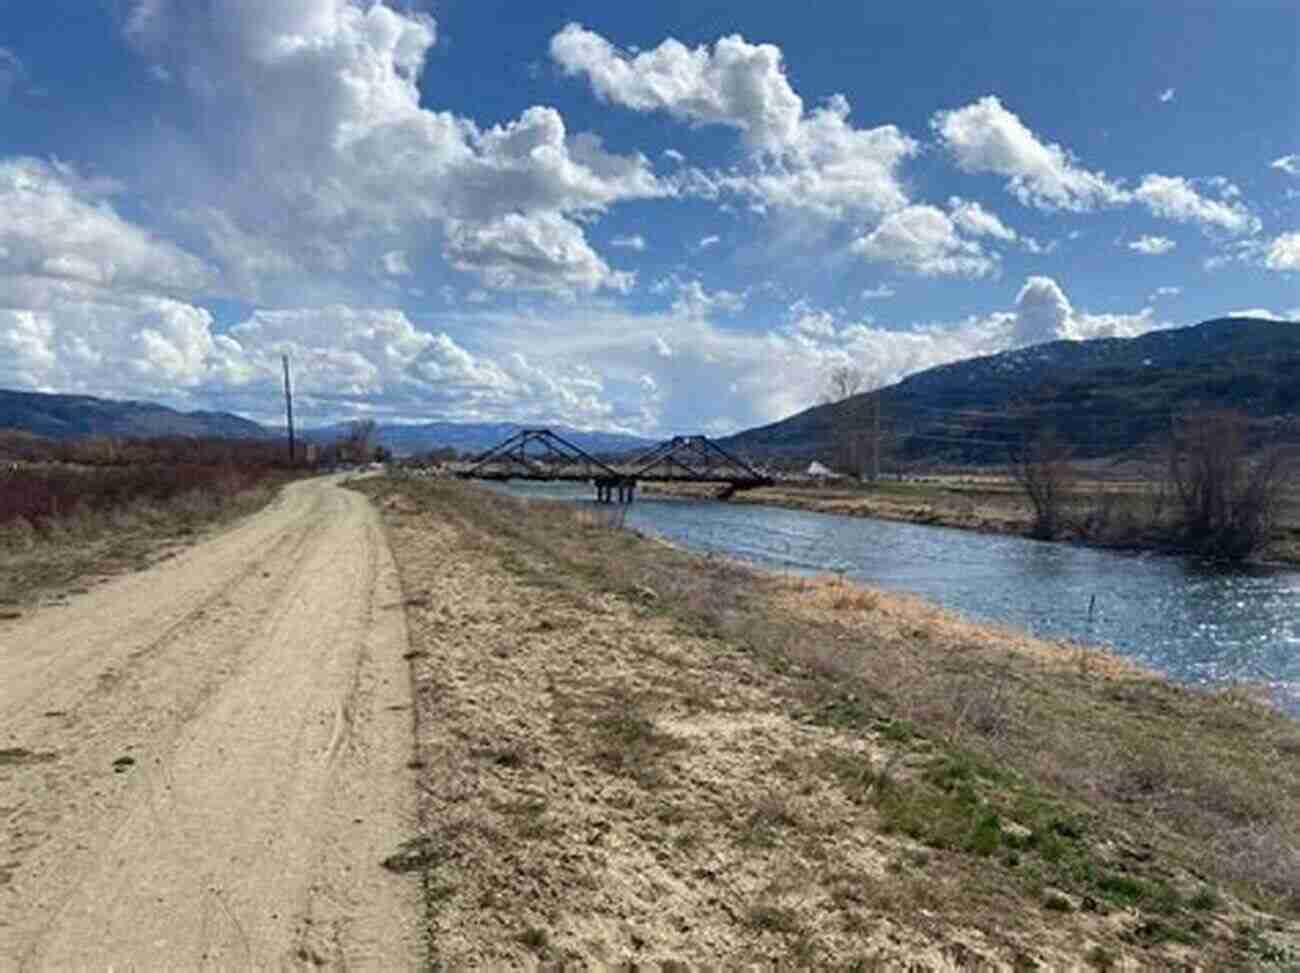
(288, 403)
(875, 436)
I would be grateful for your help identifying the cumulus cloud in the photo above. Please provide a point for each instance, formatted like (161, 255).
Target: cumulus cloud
(329, 154)
(693, 300)
(1262, 312)
(924, 240)
(58, 226)
(396, 264)
(1166, 96)
(1166, 291)
(1283, 252)
(633, 242)
(1043, 313)
(543, 252)
(974, 219)
(1175, 198)
(878, 293)
(809, 160)
(986, 137)
(1152, 245)
(1290, 164)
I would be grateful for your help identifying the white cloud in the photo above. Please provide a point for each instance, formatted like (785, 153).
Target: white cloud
(1043, 313)
(878, 293)
(709, 241)
(737, 84)
(396, 264)
(923, 240)
(1175, 198)
(634, 242)
(1283, 252)
(1166, 291)
(1166, 96)
(1290, 164)
(543, 252)
(974, 219)
(1261, 312)
(54, 225)
(328, 156)
(694, 301)
(1152, 245)
(985, 137)
(799, 160)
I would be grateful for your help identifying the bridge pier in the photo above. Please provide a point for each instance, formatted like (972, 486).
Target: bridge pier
(607, 490)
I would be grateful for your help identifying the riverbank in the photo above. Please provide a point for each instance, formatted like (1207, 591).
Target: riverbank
(668, 757)
(1104, 514)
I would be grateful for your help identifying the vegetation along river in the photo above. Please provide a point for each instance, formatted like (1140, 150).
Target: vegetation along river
(1199, 623)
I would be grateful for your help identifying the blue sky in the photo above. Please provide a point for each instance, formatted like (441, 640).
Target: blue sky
(661, 217)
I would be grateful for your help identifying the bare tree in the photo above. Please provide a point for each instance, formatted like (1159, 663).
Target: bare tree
(357, 445)
(1041, 465)
(1226, 498)
(855, 422)
(843, 382)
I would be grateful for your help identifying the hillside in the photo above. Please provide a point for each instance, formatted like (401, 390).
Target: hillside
(76, 416)
(471, 437)
(1106, 397)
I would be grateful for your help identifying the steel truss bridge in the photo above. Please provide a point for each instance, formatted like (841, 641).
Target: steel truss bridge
(539, 454)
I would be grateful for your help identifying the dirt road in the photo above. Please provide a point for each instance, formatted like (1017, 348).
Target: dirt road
(204, 763)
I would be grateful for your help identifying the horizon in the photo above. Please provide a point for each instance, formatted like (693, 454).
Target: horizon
(635, 221)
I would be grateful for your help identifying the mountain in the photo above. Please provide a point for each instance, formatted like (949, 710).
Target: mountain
(75, 416)
(471, 437)
(1104, 397)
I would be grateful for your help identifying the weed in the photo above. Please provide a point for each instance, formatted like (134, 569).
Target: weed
(536, 938)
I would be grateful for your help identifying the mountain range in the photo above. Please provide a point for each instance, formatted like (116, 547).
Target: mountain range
(1104, 397)
(79, 416)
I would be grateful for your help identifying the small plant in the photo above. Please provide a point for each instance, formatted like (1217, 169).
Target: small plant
(536, 938)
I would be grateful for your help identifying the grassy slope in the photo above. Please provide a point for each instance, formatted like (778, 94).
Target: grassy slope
(668, 757)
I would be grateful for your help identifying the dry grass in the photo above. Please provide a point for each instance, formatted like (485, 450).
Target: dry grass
(715, 765)
(62, 551)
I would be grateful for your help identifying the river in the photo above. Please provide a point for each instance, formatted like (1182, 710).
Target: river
(1198, 623)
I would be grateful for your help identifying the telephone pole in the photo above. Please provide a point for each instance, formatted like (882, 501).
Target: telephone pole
(875, 437)
(288, 403)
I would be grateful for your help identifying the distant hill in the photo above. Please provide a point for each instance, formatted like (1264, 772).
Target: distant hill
(471, 437)
(1105, 396)
(76, 416)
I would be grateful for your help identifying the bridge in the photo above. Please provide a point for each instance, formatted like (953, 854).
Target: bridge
(539, 454)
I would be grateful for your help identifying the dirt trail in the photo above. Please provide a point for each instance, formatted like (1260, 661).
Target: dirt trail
(204, 763)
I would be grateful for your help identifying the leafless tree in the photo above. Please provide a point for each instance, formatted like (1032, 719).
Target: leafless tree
(843, 382)
(1041, 465)
(1226, 498)
(360, 434)
(855, 421)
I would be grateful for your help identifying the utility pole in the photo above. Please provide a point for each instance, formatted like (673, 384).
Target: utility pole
(288, 403)
(875, 436)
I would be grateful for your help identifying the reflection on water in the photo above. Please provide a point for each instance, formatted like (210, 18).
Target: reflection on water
(1200, 623)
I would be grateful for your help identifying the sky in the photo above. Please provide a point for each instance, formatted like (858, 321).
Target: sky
(658, 218)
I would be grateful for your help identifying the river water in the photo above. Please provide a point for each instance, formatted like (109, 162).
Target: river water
(1197, 622)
